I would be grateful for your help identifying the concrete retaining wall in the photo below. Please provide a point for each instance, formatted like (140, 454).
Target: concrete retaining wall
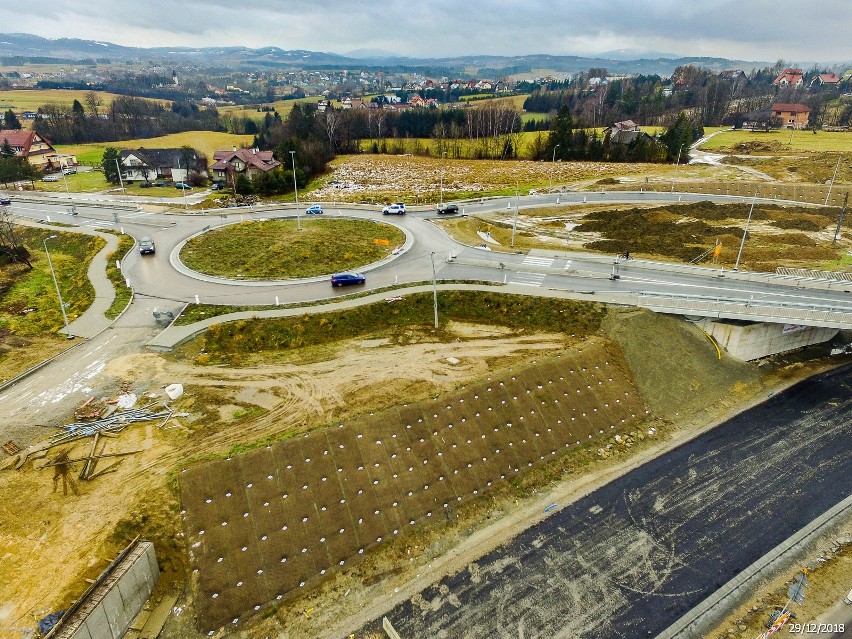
(106, 610)
(753, 340)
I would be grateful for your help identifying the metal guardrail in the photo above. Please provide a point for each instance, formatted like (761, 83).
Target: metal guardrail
(827, 317)
(837, 276)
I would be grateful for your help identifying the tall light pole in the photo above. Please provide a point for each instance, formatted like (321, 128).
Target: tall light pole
(745, 232)
(515, 219)
(56, 284)
(118, 170)
(443, 158)
(434, 290)
(183, 184)
(677, 164)
(296, 191)
(831, 184)
(62, 167)
(552, 164)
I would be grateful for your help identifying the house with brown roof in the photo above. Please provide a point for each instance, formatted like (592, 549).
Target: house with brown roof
(789, 77)
(826, 79)
(37, 150)
(626, 125)
(791, 116)
(248, 162)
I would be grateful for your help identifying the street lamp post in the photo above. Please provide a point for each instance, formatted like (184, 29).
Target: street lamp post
(443, 157)
(677, 164)
(62, 167)
(56, 284)
(118, 170)
(434, 290)
(552, 164)
(183, 183)
(745, 232)
(296, 191)
(515, 219)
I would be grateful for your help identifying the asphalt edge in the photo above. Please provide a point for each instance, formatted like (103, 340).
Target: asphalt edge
(709, 613)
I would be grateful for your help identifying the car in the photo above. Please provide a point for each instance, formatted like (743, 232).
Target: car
(848, 599)
(145, 185)
(448, 209)
(4, 201)
(344, 279)
(50, 178)
(160, 184)
(397, 208)
(314, 209)
(182, 185)
(217, 186)
(146, 246)
(69, 170)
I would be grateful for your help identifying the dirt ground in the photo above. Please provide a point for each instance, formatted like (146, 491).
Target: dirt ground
(49, 543)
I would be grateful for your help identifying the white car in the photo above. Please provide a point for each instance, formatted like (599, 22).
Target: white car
(397, 208)
(50, 178)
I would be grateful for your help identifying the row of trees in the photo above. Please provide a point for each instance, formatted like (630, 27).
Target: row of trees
(14, 168)
(124, 119)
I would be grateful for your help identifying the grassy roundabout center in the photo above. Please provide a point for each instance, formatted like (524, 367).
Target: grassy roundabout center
(277, 250)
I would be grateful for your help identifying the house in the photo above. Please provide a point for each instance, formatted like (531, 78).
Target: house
(150, 164)
(249, 162)
(626, 136)
(826, 79)
(417, 101)
(789, 77)
(732, 74)
(791, 116)
(37, 150)
(626, 125)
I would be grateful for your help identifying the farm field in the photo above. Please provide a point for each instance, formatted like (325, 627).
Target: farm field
(251, 112)
(782, 142)
(205, 142)
(20, 100)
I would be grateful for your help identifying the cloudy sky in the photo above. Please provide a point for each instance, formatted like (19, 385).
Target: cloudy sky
(764, 30)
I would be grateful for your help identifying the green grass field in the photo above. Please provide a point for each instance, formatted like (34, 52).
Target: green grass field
(276, 250)
(778, 142)
(20, 100)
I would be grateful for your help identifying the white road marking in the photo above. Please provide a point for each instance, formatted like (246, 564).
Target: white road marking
(527, 279)
(530, 260)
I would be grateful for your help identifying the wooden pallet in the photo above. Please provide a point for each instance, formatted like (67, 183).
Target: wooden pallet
(11, 448)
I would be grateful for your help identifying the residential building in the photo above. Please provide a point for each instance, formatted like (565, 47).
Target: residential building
(249, 162)
(789, 77)
(37, 150)
(151, 164)
(791, 116)
(826, 79)
(626, 125)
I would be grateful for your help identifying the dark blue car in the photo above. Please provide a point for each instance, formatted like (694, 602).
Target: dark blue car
(342, 279)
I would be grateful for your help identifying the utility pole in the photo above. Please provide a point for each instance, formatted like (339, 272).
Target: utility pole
(183, 190)
(443, 158)
(745, 232)
(434, 290)
(840, 221)
(56, 284)
(296, 190)
(67, 192)
(677, 165)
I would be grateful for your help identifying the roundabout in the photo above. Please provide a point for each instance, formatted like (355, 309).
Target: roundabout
(287, 250)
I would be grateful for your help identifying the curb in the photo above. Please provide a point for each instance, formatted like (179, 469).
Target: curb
(703, 617)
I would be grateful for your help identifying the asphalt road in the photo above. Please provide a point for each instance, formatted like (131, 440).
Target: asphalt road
(155, 277)
(631, 558)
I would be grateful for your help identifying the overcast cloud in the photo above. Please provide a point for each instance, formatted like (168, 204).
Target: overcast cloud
(764, 30)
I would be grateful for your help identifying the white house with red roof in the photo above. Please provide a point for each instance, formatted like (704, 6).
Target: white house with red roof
(789, 77)
(826, 79)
